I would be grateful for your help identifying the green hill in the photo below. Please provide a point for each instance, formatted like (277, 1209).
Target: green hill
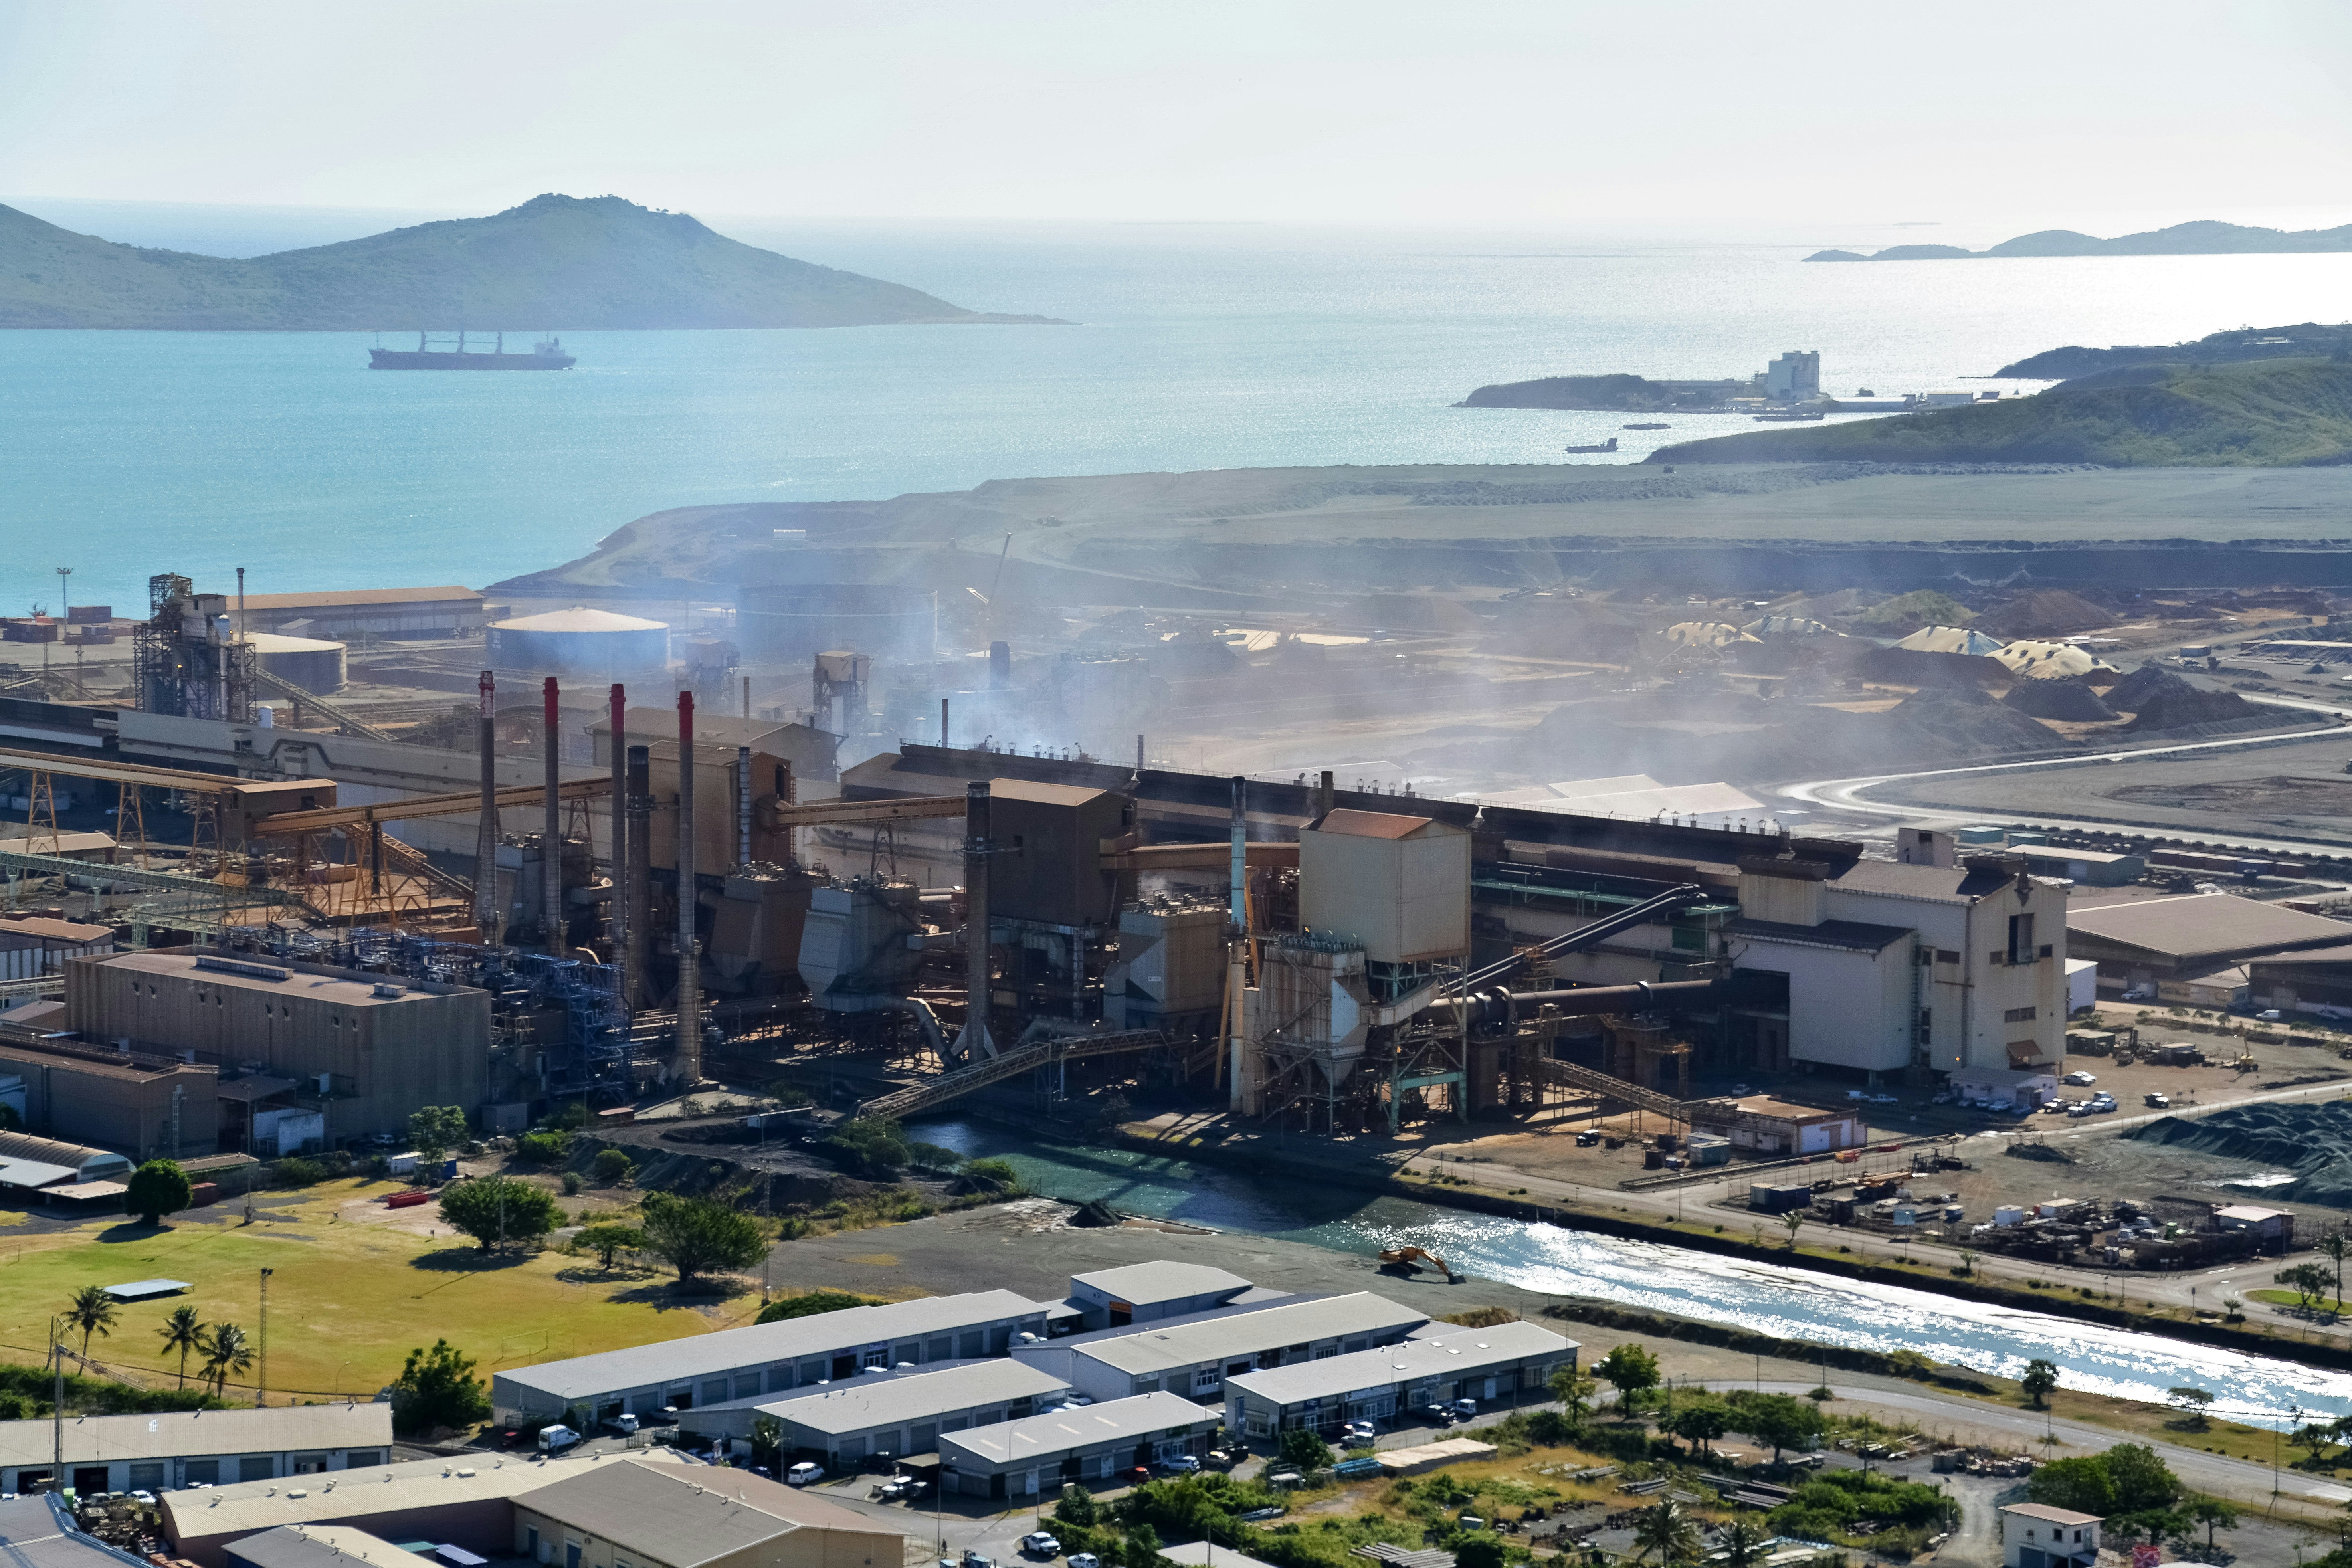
(2270, 413)
(2301, 341)
(556, 262)
(1619, 393)
(2204, 237)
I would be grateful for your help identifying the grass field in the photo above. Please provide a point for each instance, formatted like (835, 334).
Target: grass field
(347, 1300)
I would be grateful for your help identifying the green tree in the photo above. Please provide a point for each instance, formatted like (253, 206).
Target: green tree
(1742, 1543)
(92, 1311)
(2336, 1246)
(1665, 1529)
(1480, 1551)
(2192, 1403)
(1699, 1424)
(2213, 1514)
(611, 1165)
(182, 1331)
(1574, 1391)
(2313, 1436)
(809, 1303)
(2080, 1484)
(698, 1236)
(1631, 1370)
(2309, 1282)
(1304, 1448)
(437, 1388)
(1078, 1507)
(499, 1210)
(767, 1442)
(866, 1146)
(542, 1148)
(608, 1241)
(2040, 1380)
(227, 1352)
(433, 1131)
(1793, 1221)
(157, 1188)
(2143, 1481)
(1783, 1420)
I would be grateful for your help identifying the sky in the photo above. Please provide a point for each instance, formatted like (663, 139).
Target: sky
(1644, 115)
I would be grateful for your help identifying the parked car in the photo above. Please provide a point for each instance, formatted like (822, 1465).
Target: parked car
(2160, 1101)
(1133, 1476)
(555, 1439)
(974, 1560)
(1179, 1464)
(1884, 1100)
(1086, 1560)
(1358, 1433)
(1438, 1415)
(1471, 1521)
(621, 1426)
(2269, 1015)
(1037, 1544)
(1464, 1408)
(898, 1487)
(1587, 1139)
(2081, 1077)
(807, 1473)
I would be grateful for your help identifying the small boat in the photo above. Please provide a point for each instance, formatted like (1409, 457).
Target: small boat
(1646, 427)
(1608, 445)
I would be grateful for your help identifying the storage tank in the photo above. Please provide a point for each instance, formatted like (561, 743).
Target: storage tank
(581, 641)
(309, 663)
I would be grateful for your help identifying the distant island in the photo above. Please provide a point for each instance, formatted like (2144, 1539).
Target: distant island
(2273, 413)
(2205, 238)
(1615, 393)
(556, 261)
(2299, 341)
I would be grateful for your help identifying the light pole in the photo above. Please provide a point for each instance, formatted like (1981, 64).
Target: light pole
(65, 599)
(261, 1388)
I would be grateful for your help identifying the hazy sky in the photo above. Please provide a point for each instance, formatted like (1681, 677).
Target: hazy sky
(1623, 116)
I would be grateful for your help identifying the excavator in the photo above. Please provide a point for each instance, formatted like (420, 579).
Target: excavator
(1407, 1257)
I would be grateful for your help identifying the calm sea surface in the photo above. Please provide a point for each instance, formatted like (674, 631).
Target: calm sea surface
(127, 453)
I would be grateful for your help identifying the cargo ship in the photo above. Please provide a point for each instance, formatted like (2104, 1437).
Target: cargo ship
(1608, 445)
(545, 354)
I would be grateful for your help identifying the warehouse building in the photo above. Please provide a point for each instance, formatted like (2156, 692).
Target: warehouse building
(630, 1513)
(416, 612)
(38, 1532)
(35, 945)
(1497, 1365)
(170, 1449)
(880, 1412)
(331, 1546)
(149, 1107)
(1082, 1443)
(1146, 1292)
(50, 1170)
(334, 1054)
(768, 1358)
(2192, 949)
(1764, 1125)
(1194, 1357)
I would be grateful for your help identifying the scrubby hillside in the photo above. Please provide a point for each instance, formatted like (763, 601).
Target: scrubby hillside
(553, 262)
(2275, 412)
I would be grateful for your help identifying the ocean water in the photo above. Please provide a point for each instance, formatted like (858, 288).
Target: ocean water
(123, 454)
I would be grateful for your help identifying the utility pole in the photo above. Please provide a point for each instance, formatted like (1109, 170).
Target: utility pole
(485, 834)
(261, 1392)
(57, 1410)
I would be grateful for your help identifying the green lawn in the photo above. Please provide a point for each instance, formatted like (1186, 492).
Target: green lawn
(347, 1303)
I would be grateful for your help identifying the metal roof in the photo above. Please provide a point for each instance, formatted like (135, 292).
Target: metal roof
(853, 1405)
(681, 1515)
(1059, 1431)
(1372, 823)
(668, 1360)
(1849, 936)
(345, 596)
(345, 987)
(36, 1533)
(2205, 925)
(579, 618)
(1207, 1554)
(1454, 1353)
(1161, 1280)
(2048, 1515)
(140, 1290)
(1149, 1348)
(248, 1507)
(73, 1158)
(320, 1546)
(177, 1433)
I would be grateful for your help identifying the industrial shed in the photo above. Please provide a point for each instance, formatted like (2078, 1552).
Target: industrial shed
(1086, 1443)
(1193, 1356)
(1502, 1363)
(894, 1413)
(171, 1449)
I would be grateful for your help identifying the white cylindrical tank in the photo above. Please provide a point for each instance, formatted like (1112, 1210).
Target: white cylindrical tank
(307, 662)
(579, 640)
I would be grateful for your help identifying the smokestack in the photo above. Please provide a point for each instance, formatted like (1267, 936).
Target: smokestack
(974, 1043)
(943, 724)
(485, 834)
(689, 956)
(641, 878)
(241, 634)
(550, 839)
(742, 805)
(1324, 794)
(1241, 853)
(619, 802)
(1138, 753)
(1000, 664)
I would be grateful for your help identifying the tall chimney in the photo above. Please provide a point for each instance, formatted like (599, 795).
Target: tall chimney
(550, 839)
(1324, 796)
(742, 805)
(486, 835)
(1241, 853)
(641, 877)
(974, 1043)
(943, 724)
(619, 836)
(689, 956)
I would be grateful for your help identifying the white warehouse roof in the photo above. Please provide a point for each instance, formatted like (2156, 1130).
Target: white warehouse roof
(1153, 1348)
(579, 618)
(1453, 1353)
(1059, 1431)
(854, 1405)
(1164, 1280)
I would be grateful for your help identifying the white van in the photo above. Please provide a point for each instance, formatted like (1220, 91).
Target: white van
(555, 1439)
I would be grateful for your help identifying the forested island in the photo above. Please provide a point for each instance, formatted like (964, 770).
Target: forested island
(2204, 237)
(556, 261)
(1615, 393)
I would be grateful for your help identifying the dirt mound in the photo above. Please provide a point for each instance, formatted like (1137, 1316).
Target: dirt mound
(1097, 1216)
(2165, 701)
(2046, 1152)
(1960, 721)
(2046, 612)
(2315, 1142)
(2059, 699)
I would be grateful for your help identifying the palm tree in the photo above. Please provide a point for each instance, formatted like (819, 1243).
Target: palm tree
(1664, 1529)
(225, 1351)
(1742, 1543)
(91, 1311)
(182, 1331)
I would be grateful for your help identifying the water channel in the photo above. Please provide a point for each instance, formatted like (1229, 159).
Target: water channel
(1794, 1303)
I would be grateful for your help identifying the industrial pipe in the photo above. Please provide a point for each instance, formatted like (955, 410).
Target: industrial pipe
(550, 838)
(486, 833)
(1241, 854)
(1492, 1009)
(621, 911)
(689, 975)
(974, 1043)
(641, 879)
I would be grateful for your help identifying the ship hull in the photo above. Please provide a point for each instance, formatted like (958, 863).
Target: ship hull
(393, 358)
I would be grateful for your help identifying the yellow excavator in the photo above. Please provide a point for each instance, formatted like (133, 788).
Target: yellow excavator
(1407, 1257)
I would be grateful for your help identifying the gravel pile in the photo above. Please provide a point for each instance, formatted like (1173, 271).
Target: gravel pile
(2315, 1142)
(2168, 702)
(2064, 698)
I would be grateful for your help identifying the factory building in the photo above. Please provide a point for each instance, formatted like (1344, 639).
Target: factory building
(1501, 1364)
(1146, 1292)
(768, 1358)
(631, 1513)
(174, 1448)
(880, 1412)
(148, 1106)
(1194, 1357)
(579, 641)
(34, 945)
(808, 750)
(2194, 949)
(310, 1054)
(409, 613)
(1075, 1444)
